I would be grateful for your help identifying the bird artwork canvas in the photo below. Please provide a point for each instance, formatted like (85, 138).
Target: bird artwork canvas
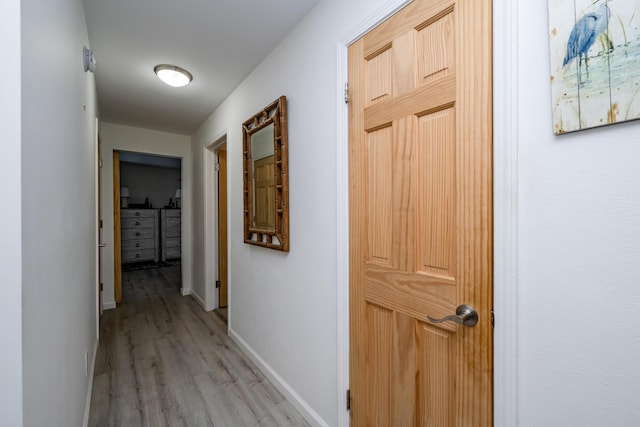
(595, 62)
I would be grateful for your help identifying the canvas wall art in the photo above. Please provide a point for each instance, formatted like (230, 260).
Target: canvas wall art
(595, 62)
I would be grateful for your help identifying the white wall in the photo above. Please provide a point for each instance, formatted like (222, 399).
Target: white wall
(283, 306)
(579, 256)
(158, 184)
(58, 213)
(11, 218)
(118, 137)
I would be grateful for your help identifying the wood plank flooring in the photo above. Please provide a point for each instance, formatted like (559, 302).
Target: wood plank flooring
(163, 361)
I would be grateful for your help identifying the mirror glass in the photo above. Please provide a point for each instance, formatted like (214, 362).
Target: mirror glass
(266, 184)
(262, 143)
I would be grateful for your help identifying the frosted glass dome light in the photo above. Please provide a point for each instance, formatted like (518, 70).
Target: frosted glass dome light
(173, 75)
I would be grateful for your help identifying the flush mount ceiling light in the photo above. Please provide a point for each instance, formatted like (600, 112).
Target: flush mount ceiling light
(173, 75)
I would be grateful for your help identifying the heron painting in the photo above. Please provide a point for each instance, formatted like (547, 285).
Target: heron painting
(595, 62)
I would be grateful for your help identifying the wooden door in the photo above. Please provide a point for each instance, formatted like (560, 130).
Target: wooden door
(420, 150)
(99, 225)
(222, 228)
(117, 255)
(265, 193)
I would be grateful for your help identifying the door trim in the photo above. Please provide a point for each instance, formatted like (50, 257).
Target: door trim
(505, 212)
(210, 185)
(98, 205)
(505, 207)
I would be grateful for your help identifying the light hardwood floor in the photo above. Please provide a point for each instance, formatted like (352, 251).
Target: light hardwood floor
(163, 361)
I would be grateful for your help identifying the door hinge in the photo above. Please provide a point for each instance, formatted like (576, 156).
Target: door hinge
(217, 167)
(493, 319)
(217, 284)
(346, 93)
(100, 223)
(348, 400)
(101, 286)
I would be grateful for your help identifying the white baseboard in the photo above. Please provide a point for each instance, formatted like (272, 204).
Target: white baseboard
(289, 393)
(185, 291)
(108, 305)
(90, 388)
(198, 298)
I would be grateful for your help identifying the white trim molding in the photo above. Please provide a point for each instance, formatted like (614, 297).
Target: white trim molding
(198, 299)
(210, 232)
(91, 371)
(210, 156)
(342, 192)
(505, 218)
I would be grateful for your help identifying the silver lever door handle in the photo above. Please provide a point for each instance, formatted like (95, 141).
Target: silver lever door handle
(465, 315)
(102, 245)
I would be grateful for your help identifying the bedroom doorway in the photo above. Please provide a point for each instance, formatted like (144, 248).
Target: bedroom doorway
(147, 216)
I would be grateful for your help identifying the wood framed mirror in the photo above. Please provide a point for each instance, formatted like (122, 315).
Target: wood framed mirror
(266, 183)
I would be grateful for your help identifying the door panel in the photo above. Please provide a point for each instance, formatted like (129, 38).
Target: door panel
(420, 216)
(380, 150)
(436, 167)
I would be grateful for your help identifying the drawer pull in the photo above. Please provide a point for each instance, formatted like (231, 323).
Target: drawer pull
(137, 223)
(137, 245)
(137, 255)
(137, 213)
(137, 234)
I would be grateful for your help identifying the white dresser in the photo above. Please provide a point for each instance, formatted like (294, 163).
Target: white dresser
(170, 229)
(139, 235)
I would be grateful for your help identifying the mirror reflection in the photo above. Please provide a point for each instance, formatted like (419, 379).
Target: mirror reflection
(263, 178)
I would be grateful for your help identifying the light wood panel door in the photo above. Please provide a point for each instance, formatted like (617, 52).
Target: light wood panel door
(420, 150)
(222, 228)
(99, 225)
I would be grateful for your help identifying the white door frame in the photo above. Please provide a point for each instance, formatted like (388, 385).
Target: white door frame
(505, 206)
(505, 210)
(97, 165)
(211, 270)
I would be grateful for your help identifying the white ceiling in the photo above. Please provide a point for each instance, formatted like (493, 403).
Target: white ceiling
(218, 41)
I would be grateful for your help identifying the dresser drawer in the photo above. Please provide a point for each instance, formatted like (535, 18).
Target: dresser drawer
(138, 244)
(172, 213)
(138, 255)
(134, 223)
(171, 253)
(171, 232)
(172, 223)
(172, 242)
(138, 213)
(137, 234)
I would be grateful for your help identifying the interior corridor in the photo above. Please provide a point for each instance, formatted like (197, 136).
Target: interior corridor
(163, 361)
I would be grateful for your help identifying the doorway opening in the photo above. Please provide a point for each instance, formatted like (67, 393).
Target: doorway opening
(147, 216)
(216, 254)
